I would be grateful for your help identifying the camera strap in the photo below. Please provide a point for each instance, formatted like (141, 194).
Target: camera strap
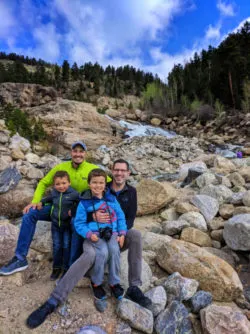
(94, 211)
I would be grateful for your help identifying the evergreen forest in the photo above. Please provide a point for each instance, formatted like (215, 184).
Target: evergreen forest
(218, 77)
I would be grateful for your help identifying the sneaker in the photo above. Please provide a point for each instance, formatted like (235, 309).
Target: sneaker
(55, 274)
(136, 295)
(117, 291)
(98, 291)
(13, 266)
(38, 316)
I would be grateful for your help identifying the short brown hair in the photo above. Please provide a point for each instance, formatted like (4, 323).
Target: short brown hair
(121, 161)
(97, 172)
(61, 173)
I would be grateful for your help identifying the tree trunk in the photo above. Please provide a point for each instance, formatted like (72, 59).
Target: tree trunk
(231, 88)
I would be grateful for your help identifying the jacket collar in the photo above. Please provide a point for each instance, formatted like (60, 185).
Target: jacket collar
(125, 188)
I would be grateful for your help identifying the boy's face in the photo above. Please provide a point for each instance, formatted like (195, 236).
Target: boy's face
(61, 184)
(97, 185)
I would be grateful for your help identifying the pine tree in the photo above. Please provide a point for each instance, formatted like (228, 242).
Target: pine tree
(65, 71)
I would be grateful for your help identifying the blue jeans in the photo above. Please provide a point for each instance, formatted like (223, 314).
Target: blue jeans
(76, 244)
(106, 252)
(28, 228)
(61, 238)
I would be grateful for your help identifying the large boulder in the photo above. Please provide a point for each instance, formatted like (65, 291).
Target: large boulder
(19, 143)
(195, 219)
(153, 195)
(224, 319)
(13, 201)
(224, 165)
(196, 237)
(207, 205)
(213, 274)
(136, 316)
(183, 172)
(8, 238)
(154, 242)
(158, 297)
(221, 192)
(9, 179)
(237, 232)
(174, 319)
(42, 240)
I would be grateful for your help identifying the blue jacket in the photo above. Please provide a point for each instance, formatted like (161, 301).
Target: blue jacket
(89, 204)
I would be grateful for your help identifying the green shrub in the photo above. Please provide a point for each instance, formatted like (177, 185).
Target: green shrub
(17, 121)
(102, 110)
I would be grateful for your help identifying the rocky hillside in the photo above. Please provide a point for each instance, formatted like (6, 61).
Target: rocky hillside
(60, 116)
(193, 213)
(194, 226)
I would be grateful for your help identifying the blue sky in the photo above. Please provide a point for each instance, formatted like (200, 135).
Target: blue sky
(149, 34)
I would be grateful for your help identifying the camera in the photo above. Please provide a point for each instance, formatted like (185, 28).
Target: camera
(106, 233)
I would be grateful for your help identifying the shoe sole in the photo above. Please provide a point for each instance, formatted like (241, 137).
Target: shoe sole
(13, 271)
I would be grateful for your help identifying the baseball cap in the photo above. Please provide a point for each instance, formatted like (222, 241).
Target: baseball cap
(79, 143)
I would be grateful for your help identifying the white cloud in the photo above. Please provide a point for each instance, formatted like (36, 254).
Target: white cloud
(213, 32)
(109, 32)
(226, 9)
(7, 21)
(115, 28)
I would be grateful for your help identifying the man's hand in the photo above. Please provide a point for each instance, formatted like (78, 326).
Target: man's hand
(28, 207)
(39, 206)
(94, 238)
(101, 216)
(121, 240)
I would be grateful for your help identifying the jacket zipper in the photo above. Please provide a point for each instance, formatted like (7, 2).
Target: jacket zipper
(60, 208)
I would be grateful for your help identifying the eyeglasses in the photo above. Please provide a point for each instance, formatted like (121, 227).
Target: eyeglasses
(120, 170)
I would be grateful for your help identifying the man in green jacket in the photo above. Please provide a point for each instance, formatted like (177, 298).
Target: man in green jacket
(78, 170)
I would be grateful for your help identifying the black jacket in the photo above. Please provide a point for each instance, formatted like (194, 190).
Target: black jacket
(61, 204)
(127, 198)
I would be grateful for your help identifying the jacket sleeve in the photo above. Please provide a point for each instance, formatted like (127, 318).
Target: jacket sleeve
(76, 199)
(80, 222)
(131, 213)
(121, 221)
(47, 199)
(44, 183)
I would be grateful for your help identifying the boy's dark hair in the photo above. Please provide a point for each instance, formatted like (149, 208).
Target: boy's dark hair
(97, 172)
(121, 161)
(61, 173)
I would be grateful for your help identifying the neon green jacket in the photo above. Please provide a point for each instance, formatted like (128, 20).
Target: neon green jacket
(78, 178)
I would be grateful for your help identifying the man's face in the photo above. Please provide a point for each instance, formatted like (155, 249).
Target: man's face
(97, 185)
(61, 184)
(120, 173)
(78, 155)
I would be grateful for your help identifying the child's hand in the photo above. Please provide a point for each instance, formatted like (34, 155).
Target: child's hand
(121, 240)
(69, 213)
(94, 238)
(39, 206)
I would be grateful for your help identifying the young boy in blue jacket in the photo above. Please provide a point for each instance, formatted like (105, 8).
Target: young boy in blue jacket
(64, 200)
(104, 237)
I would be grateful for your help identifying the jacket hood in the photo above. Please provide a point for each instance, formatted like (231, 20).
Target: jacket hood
(86, 195)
